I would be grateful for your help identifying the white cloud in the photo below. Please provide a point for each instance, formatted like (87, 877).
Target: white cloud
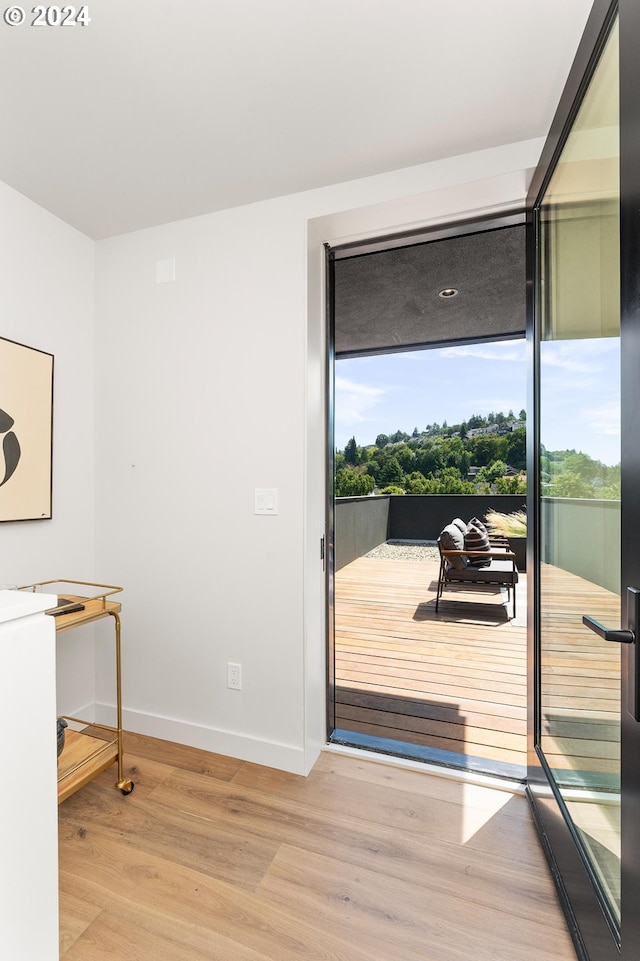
(587, 356)
(561, 359)
(356, 402)
(508, 351)
(604, 420)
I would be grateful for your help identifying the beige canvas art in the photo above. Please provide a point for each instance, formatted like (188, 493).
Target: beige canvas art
(26, 406)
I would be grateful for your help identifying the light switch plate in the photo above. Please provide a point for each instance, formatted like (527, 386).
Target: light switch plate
(266, 500)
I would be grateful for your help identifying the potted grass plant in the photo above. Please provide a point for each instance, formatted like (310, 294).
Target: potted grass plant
(513, 526)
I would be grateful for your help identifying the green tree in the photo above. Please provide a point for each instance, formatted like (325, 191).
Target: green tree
(373, 470)
(570, 484)
(390, 472)
(351, 483)
(392, 489)
(366, 454)
(493, 471)
(611, 493)
(510, 485)
(453, 485)
(450, 472)
(452, 452)
(406, 458)
(351, 452)
(416, 483)
(486, 448)
(382, 440)
(429, 460)
(590, 470)
(515, 448)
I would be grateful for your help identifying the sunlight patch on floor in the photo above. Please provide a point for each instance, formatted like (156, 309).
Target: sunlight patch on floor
(479, 806)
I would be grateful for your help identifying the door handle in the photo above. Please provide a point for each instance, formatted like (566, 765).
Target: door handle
(628, 636)
(609, 634)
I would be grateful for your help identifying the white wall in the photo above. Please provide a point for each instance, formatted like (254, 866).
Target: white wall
(211, 386)
(47, 302)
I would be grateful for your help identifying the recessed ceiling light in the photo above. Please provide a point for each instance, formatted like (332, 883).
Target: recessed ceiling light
(448, 292)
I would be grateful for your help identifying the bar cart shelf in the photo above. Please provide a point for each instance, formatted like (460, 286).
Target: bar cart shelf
(95, 747)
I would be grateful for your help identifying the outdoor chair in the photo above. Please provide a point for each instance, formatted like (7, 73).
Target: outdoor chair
(497, 565)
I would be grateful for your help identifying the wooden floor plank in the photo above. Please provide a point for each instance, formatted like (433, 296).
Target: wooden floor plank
(391, 919)
(76, 915)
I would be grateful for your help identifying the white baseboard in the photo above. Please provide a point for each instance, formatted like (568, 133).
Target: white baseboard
(284, 757)
(87, 712)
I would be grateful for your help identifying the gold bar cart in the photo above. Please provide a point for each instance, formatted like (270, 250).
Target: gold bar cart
(86, 755)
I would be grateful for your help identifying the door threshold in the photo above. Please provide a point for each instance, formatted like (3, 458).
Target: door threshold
(449, 764)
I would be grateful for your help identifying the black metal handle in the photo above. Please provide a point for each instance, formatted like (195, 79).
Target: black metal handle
(622, 637)
(631, 655)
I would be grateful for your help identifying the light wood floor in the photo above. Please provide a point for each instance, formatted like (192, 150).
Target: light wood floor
(213, 859)
(452, 680)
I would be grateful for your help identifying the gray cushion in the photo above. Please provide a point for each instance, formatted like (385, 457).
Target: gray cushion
(477, 540)
(459, 523)
(498, 572)
(452, 539)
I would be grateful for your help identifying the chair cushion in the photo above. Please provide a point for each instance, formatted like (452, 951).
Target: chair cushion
(452, 539)
(498, 572)
(478, 524)
(459, 523)
(476, 539)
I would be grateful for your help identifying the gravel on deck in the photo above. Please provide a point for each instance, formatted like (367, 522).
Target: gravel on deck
(406, 551)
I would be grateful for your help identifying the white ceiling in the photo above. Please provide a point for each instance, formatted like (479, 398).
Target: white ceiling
(165, 109)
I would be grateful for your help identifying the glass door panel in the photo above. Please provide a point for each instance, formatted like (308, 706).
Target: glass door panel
(579, 464)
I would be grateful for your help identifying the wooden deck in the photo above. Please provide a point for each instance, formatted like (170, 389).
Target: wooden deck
(456, 680)
(580, 680)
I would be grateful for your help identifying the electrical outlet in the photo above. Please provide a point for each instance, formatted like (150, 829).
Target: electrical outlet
(234, 676)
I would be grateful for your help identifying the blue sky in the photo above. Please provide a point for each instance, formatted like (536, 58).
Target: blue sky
(380, 395)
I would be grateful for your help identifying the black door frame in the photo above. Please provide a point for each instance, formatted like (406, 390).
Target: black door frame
(595, 932)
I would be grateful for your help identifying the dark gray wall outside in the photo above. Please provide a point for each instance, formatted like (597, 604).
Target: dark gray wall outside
(422, 517)
(361, 523)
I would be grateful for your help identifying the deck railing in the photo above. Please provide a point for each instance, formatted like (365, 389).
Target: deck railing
(582, 536)
(362, 523)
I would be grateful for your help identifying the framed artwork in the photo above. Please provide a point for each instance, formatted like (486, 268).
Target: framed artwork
(26, 432)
